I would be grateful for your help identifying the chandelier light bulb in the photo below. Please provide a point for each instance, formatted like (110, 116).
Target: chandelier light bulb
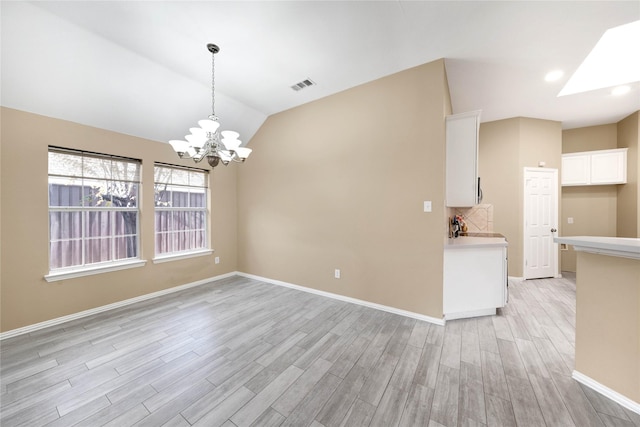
(196, 141)
(231, 144)
(209, 125)
(243, 153)
(179, 146)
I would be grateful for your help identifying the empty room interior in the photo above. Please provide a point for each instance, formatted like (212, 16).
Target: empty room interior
(311, 213)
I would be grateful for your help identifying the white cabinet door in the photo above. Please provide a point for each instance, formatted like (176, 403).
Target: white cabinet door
(475, 281)
(609, 167)
(462, 159)
(575, 169)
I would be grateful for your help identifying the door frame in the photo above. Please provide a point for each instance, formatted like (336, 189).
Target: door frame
(555, 219)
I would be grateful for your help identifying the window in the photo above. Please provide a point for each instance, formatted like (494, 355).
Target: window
(180, 210)
(93, 210)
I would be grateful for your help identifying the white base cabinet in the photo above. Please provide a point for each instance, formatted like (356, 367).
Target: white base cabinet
(475, 281)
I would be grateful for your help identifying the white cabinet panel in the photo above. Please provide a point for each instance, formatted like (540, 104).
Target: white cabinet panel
(462, 159)
(475, 281)
(575, 169)
(600, 167)
(609, 167)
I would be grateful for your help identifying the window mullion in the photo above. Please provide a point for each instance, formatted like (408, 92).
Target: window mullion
(83, 234)
(112, 225)
(83, 219)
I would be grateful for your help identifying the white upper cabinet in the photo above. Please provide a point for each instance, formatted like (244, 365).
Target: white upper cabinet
(575, 169)
(602, 167)
(609, 167)
(462, 186)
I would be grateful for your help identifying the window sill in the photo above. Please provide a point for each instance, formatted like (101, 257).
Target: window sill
(181, 255)
(71, 274)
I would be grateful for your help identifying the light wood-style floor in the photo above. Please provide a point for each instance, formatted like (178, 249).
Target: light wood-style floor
(238, 352)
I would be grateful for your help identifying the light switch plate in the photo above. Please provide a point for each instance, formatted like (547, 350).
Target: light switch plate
(570, 220)
(427, 206)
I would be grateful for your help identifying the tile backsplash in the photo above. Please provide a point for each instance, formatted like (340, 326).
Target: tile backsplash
(478, 218)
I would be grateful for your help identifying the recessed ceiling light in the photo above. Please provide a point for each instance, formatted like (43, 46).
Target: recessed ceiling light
(610, 63)
(553, 76)
(620, 90)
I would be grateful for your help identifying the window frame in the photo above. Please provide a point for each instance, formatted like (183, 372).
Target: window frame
(85, 267)
(206, 249)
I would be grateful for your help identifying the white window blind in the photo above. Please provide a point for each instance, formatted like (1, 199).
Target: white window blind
(93, 209)
(181, 210)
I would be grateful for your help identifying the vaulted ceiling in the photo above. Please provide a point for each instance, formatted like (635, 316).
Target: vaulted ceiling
(142, 68)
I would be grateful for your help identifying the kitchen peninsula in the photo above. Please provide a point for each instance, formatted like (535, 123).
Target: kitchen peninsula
(608, 316)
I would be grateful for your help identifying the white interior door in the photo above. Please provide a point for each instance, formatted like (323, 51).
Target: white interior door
(540, 223)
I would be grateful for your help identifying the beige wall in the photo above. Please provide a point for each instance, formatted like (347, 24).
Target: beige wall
(608, 322)
(26, 297)
(593, 208)
(339, 183)
(498, 169)
(506, 148)
(592, 138)
(628, 211)
(540, 141)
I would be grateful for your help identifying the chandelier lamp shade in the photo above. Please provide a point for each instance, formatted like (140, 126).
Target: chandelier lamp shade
(207, 141)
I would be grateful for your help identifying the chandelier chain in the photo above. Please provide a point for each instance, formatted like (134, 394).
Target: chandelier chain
(213, 84)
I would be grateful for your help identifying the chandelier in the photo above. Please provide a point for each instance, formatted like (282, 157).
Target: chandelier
(206, 140)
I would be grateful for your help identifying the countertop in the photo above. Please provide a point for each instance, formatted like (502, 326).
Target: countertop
(475, 241)
(480, 234)
(613, 246)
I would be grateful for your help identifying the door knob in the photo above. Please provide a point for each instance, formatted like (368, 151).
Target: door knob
(553, 230)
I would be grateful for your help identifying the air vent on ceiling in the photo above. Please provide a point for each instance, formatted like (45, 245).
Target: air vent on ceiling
(303, 84)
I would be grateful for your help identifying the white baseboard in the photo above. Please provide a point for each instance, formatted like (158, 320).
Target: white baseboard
(522, 279)
(607, 392)
(74, 316)
(467, 314)
(96, 310)
(348, 299)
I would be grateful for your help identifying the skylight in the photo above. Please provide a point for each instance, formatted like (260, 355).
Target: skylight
(613, 61)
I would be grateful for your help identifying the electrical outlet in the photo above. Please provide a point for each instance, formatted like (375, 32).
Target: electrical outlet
(570, 220)
(336, 273)
(427, 206)
(217, 260)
